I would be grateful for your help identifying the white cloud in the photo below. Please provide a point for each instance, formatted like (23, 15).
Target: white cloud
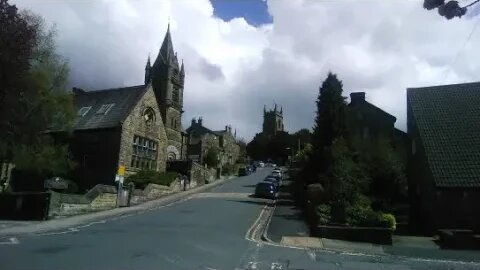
(380, 47)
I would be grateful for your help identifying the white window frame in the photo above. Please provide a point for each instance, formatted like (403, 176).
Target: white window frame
(105, 108)
(83, 111)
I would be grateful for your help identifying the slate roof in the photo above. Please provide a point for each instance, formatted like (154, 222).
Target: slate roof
(123, 99)
(375, 108)
(201, 130)
(448, 121)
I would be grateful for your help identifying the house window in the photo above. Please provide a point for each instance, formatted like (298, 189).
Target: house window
(414, 147)
(105, 108)
(83, 111)
(365, 133)
(144, 154)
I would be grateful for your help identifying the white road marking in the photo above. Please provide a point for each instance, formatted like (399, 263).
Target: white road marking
(312, 255)
(10, 241)
(276, 266)
(252, 265)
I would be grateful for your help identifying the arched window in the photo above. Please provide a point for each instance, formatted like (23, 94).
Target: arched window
(149, 116)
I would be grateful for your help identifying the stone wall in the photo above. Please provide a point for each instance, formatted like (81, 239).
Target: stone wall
(101, 197)
(135, 124)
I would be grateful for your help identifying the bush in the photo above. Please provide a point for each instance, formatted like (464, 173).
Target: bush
(360, 213)
(390, 221)
(145, 177)
(324, 214)
(211, 158)
(229, 169)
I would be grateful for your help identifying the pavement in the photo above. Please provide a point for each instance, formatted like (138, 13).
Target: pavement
(288, 227)
(218, 228)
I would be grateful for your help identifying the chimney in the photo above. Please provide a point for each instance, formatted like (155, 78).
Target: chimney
(194, 121)
(200, 120)
(226, 128)
(357, 97)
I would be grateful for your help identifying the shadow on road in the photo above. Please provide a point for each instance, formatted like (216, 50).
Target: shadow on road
(253, 201)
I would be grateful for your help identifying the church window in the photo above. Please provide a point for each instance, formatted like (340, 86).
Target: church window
(83, 111)
(144, 154)
(105, 108)
(149, 116)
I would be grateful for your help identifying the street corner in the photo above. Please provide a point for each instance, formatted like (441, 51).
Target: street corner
(300, 241)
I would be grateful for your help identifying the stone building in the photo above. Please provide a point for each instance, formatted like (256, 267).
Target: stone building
(272, 121)
(370, 126)
(168, 79)
(444, 158)
(201, 139)
(117, 127)
(230, 150)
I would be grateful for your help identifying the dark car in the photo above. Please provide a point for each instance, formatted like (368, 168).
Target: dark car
(243, 171)
(273, 180)
(266, 190)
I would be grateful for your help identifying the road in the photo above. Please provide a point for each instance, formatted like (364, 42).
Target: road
(207, 231)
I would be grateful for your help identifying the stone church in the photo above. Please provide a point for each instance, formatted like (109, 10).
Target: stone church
(168, 78)
(272, 121)
(138, 127)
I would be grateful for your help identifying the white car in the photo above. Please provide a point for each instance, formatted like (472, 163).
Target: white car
(277, 173)
(261, 164)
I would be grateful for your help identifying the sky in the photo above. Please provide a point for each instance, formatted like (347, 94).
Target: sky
(242, 54)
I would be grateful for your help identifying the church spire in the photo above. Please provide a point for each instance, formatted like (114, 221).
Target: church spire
(182, 69)
(166, 51)
(148, 68)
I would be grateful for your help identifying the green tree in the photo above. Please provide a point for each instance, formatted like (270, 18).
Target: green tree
(33, 101)
(389, 182)
(301, 138)
(211, 157)
(330, 123)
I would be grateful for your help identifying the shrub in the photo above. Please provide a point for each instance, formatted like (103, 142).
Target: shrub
(211, 158)
(389, 221)
(360, 213)
(324, 214)
(145, 177)
(229, 169)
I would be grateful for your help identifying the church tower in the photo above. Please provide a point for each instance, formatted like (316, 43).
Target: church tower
(167, 78)
(272, 121)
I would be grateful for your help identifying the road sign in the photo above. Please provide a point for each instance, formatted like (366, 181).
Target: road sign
(121, 170)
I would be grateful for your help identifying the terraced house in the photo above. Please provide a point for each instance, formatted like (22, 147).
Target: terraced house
(201, 139)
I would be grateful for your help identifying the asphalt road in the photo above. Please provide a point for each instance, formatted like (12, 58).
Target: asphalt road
(205, 232)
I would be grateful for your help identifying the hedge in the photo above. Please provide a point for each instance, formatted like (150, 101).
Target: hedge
(145, 177)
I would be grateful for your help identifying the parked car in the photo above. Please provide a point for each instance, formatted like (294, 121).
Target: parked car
(261, 164)
(273, 180)
(277, 175)
(243, 171)
(265, 190)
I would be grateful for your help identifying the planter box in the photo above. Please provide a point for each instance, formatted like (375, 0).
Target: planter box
(374, 235)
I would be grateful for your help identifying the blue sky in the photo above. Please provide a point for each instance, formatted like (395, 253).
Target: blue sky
(255, 12)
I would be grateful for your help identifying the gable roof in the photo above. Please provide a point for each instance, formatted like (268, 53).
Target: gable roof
(199, 129)
(448, 121)
(123, 99)
(373, 107)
